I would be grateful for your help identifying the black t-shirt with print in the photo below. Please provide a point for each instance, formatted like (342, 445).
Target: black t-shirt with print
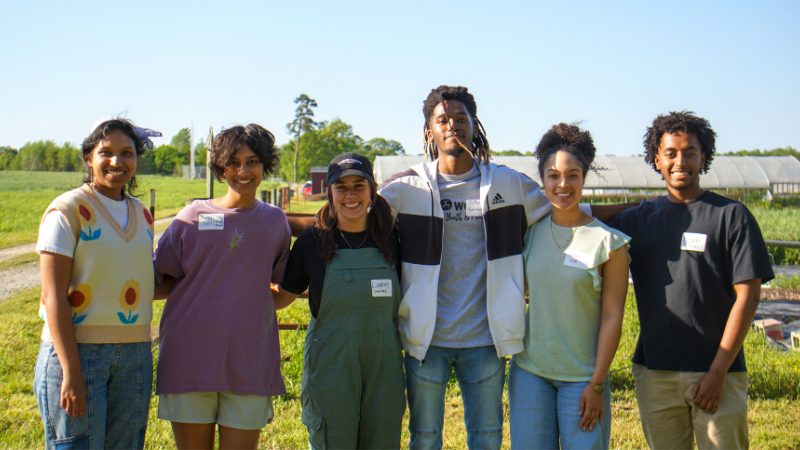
(305, 269)
(685, 259)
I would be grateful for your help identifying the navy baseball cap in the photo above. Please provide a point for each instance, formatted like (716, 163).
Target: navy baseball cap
(347, 164)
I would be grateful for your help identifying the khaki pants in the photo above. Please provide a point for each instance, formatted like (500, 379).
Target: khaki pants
(670, 420)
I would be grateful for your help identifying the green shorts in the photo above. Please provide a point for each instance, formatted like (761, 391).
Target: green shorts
(240, 411)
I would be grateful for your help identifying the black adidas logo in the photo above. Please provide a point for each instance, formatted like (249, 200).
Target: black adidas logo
(497, 199)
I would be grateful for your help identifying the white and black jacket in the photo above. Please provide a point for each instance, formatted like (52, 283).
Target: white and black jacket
(510, 202)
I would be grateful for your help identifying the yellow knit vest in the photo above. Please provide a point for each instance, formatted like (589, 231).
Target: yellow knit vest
(111, 290)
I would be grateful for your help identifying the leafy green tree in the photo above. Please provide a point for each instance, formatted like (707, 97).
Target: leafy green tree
(780, 151)
(182, 142)
(319, 148)
(147, 162)
(200, 154)
(512, 153)
(303, 122)
(167, 159)
(7, 157)
(381, 147)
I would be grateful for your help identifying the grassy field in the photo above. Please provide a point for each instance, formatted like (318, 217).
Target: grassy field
(774, 410)
(25, 195)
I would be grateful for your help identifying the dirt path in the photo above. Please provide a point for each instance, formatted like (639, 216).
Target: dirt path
(19, 278)
(8, 253)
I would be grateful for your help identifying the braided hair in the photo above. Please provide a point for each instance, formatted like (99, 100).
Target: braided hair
(480, 145)
(686, 122)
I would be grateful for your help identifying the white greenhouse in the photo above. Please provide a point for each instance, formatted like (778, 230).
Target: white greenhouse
(780, 174)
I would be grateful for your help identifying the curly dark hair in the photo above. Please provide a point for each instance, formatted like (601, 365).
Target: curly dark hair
(686, 122)
(100, 133)
(480, 145)
(568, 138)
(230, 140)
(379, 225)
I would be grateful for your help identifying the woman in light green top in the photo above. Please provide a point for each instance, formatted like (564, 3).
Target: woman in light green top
(577, 272)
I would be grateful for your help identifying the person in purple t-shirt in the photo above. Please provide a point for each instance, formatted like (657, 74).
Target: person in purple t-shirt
(219, 360)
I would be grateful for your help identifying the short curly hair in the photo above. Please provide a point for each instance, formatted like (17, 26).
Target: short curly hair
(460, 93)
(230, 140)
(568, 138)
(686, 122)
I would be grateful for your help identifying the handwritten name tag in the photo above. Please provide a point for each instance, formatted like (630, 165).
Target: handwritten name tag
(211, 222)
(474, 208)
(381, 288)
(695, 242)
(577, 259)
(574, 262)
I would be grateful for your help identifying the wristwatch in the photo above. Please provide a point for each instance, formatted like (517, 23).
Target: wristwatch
(599, 388)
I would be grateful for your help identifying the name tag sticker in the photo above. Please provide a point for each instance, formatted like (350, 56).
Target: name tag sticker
(474, 208)
(695, 242)
(381, 288)
(574, 262)
(211, 222)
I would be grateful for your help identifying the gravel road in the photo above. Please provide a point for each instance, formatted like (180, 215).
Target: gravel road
(19, 278)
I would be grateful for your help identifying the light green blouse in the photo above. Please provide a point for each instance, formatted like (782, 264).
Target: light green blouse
(564, 311)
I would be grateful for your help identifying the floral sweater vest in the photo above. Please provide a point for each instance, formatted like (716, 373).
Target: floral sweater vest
(111, 290)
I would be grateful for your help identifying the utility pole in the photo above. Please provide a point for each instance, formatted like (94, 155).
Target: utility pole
(192, 169)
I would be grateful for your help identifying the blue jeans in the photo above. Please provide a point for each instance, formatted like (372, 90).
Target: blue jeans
(545, 411)
(481, 376)
(118, 379)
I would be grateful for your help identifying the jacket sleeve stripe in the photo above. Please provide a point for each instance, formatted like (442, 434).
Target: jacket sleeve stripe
(420, 239)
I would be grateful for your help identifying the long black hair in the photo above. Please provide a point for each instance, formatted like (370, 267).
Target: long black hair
(97, 136)
(379, 225)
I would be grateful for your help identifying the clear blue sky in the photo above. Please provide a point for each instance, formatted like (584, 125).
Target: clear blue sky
(613, 65)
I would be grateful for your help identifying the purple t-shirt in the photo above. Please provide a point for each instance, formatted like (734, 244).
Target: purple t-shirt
(219, 331)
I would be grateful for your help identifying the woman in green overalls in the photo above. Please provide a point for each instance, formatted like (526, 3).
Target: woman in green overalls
(353, 387)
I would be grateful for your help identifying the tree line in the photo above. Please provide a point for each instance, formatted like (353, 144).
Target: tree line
(314, 144)
(48, 156)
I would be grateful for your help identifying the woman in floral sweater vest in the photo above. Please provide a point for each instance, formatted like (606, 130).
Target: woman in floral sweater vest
(94, 371)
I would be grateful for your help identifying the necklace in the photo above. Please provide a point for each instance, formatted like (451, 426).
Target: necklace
(552, 231)
(348, 243)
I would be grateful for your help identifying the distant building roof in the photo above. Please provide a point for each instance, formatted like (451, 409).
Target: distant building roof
(319, 169)
(632, 172)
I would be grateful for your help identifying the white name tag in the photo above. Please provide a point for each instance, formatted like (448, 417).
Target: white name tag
(211, 222)
(474, 208)
(574, 262)
(381, 288)
(695, 242)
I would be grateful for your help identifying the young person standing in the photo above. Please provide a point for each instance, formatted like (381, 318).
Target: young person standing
(461, 220)
(698, 261)
(219, 358)
(558, 392)
(353, 388)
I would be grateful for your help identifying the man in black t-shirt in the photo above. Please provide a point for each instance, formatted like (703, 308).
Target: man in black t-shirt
(698, 261)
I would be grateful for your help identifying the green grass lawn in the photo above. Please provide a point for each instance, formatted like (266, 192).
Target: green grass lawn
(774, 411)
(25, 195)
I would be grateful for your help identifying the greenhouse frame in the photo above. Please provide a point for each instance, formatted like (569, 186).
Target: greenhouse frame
(779, 174)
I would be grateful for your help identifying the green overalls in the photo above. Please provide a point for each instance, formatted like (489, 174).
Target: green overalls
(353, 387)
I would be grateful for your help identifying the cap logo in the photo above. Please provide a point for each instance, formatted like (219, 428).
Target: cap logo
(349, 161)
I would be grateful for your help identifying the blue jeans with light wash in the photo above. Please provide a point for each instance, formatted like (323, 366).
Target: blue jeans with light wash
(118, 379)
(545, 411)
(481, 376)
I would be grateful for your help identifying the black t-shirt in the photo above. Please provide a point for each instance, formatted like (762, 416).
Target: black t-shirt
(685, 259)
(306, 270)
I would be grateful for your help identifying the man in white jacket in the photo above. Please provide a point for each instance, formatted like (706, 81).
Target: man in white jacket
(461, 221)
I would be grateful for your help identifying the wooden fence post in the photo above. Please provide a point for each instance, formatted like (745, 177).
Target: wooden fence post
(153, 204)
